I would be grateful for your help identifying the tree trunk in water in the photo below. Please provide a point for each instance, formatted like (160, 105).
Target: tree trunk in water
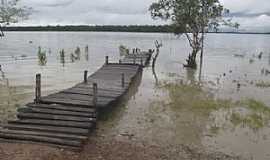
(191, 61)
(1, 32)
(201, 60)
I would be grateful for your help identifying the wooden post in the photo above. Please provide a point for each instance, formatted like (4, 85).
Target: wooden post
(120, 61)
(123, 80)
(38, 88)
(85, 76)
(107, 60)
(95, 92)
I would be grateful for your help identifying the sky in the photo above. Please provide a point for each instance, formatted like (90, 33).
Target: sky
(253, 15)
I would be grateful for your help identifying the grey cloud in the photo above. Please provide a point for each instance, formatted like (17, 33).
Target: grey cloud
(247, 14)
(122, 12)
(59, 4)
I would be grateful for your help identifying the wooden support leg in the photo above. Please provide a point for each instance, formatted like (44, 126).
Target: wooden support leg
(123, 80)
(95, 92)
(107, 60)
(38, 88)
(85, 76)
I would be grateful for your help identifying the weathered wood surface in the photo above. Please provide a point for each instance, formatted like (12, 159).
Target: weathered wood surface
(59, 107)
(66, 118)
(53, 129)
(61, 123)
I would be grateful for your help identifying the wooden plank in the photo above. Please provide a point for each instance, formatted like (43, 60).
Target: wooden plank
(90, 87)
(66, 130)
(86, 98)
(58, 141)
(119, 68)
(112, 74)
(86, 92)
(116, 67)
(46, 134)
(54, 117)
(57, 123)
(58, 112)
(121, 65)
(62, 107)
(110, 78)
(64, 101)
(115, 82)
(102, 87)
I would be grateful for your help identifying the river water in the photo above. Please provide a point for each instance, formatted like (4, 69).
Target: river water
(231, 70)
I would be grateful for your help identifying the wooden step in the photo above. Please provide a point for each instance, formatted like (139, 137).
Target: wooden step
(52, 129)
(63, 107)
(54, 117)
(56, 112)
(56, 123)
(46, 134)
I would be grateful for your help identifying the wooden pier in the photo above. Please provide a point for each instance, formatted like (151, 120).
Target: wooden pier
(66, 118)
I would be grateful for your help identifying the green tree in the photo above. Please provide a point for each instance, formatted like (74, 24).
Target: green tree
(193, 18)
(11, 12)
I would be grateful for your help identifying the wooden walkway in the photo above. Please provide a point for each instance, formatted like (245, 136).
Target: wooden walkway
(67, 118)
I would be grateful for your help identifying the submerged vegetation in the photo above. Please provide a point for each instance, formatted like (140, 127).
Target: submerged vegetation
(193, 98)
(42, 57)
(263, 84)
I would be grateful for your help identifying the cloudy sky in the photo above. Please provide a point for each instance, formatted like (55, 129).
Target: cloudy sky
(251, 14)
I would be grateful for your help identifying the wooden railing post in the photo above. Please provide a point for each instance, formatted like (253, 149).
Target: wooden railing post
(107, 60)
(95, 96)
(38, 88)
(123, 80)
(85, 76)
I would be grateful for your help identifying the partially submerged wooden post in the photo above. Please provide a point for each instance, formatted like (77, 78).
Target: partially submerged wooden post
(107, 60)
(95, 92)
(38, 88)
(123, 80)
(85, 76)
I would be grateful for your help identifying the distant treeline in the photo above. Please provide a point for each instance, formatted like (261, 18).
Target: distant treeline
(84, 28)
(109, 28)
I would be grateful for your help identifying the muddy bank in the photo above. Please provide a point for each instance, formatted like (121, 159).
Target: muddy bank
(101, 148)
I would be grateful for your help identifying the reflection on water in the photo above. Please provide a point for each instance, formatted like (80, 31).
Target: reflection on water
(215, 114)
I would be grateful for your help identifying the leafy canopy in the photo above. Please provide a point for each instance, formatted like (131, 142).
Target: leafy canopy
(11, 12)
(191, 15)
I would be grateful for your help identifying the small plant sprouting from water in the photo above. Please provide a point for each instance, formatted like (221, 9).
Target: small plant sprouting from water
(42, 57)
(78, 53)
(62, 56)
(86, 53)
(72, 58)
(123, 50)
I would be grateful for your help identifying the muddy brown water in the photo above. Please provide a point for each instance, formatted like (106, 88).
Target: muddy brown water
(231, 71)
